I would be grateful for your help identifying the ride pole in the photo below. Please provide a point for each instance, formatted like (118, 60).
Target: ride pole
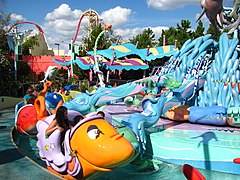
(106, 28)
(15, 53)
(72, 58)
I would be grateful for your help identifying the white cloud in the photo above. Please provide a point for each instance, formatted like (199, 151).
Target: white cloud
(170, 4)
(61, 24)
(15, 17)
(127, 34)
(63, 12)
(158, 31)
(116, 16)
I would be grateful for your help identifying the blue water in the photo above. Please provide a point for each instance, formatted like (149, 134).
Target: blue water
(166, 171)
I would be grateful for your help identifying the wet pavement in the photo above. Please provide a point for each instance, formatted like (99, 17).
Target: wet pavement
(13, 163)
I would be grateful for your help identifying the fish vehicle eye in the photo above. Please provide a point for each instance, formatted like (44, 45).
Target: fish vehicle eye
(93, 132)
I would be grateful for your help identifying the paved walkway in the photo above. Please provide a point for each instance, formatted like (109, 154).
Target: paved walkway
(13, 164)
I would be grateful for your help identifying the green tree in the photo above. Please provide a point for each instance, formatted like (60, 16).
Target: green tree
(145, 39)
(80, 74)
(103, 42)
(212, 31)
(4, 22)
(7, 84)
(181, 33)
(170, 35)
(185, 25)
(199, 30)
(29, 44)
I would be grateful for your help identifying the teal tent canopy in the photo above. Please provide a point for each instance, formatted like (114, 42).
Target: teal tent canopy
(150, 54)
(87, 62)
(146, 54)
(117, 57)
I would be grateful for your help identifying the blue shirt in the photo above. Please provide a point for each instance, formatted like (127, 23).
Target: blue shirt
(30, 98)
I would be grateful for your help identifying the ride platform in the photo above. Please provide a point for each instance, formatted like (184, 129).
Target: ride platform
(202, 146)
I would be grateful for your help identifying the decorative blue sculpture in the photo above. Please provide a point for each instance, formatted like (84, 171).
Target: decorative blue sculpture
(139, 121)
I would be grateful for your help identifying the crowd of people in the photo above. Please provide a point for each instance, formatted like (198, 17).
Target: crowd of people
(32, 94)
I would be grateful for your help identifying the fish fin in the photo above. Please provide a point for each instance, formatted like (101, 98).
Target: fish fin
(71, 165)
(192, 173)
(232, 27)
(60, 103)
(219, 21)
(202, 13)
(52, 111)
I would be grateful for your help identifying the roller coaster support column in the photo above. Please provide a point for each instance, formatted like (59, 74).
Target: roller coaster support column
(106, 28)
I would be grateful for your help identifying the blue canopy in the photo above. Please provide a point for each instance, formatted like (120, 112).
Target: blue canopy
(123, 50)
(118, 51)
(150, 54)
(87, 62)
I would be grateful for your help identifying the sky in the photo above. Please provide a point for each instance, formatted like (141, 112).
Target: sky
(59, 18)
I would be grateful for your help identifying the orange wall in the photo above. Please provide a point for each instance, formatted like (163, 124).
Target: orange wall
(40, 64)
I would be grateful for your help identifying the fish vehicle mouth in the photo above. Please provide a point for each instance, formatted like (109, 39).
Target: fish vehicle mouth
(116, 136)
(104, 169)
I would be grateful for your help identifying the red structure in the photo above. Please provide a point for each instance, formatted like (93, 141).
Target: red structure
(40, 64)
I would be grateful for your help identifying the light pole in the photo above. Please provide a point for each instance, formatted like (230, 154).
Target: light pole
(15, 39)
(18, 38)
(15, 55)
(57, 44)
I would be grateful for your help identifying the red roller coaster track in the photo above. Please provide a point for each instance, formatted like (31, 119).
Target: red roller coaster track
(88, 12)
(27, 22)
